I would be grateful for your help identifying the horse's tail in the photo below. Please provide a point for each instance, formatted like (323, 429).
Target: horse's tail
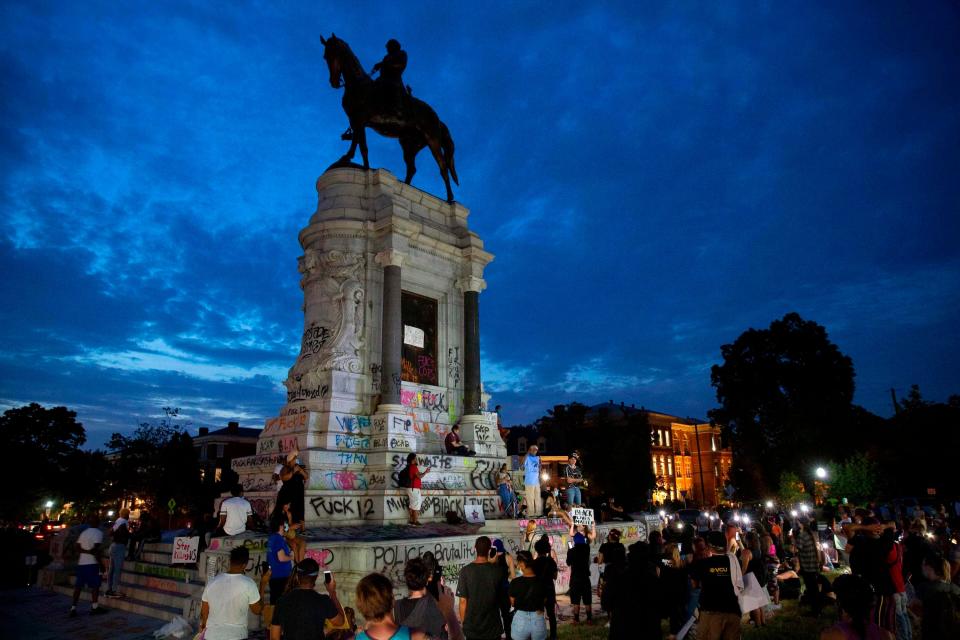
(446, 144)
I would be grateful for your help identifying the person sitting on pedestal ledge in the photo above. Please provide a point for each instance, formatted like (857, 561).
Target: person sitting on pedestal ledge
(454, 445)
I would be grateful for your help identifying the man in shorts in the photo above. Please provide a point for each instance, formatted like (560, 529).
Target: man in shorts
(89, 566)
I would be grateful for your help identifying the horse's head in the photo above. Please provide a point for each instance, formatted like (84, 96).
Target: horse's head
(333, 52)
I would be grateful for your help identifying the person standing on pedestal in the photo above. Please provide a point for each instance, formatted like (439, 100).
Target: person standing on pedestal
(414, 483)
(531, 482)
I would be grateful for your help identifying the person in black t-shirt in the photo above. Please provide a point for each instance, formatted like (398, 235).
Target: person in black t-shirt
(300, 614)
(721, 581)
(528, 598)
(419, 610)
(546, 569)
(578, 559)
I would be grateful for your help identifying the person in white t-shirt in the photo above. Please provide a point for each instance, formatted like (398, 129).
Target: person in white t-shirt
(227, 599)
(235, 513)
(89, 566)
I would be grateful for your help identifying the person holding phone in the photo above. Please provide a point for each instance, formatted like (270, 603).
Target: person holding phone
(301, 613)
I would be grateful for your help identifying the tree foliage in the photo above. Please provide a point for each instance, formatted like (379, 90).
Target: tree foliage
(785, 395)
(855, 479)
(157, 462)
(40, 446)
(791, 489)
(616, 450)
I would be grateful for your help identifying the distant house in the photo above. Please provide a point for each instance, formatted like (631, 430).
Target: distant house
(216, 449)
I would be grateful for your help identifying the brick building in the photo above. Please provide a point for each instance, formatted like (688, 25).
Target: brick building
(216, 449)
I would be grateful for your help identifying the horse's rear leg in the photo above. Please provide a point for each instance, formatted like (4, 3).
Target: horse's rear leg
(410, 151)
(441, 164)
(361, 134)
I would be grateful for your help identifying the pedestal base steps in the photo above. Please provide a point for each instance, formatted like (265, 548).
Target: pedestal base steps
(151, 587)
(354, 460)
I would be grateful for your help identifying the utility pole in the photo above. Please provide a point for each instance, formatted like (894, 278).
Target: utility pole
(696, 435)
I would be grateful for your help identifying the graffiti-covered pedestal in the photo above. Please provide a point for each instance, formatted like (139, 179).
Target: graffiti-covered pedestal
(389, 359)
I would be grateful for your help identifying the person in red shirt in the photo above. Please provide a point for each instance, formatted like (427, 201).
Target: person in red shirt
(413, 488)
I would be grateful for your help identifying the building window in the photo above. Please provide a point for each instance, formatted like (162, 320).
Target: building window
(667, 433)
(203, 452)
(218, 472)
(669, 466)
(219, 452)
(419, 352)
(522, 445)
(713, 442)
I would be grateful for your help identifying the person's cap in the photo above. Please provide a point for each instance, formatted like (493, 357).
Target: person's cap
(717, 540)
(498, 545)
(308, 567)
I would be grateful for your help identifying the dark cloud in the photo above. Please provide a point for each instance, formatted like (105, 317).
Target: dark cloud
(653, 180)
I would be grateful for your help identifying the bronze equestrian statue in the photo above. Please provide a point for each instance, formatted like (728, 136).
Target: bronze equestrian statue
(387, 106)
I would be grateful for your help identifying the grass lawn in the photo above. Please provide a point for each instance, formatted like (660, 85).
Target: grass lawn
(787, 624)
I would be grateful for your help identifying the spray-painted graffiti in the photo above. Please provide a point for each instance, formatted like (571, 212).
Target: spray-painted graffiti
(343, 508)
(285, 422)
(348, 480)
(434, 402)
(423, 461)
(453, 367)
(426, 368)
(283, 444)
(482, 476)
(257, 463)
(313, 340)
(481, 432)
(258, 483)
(352, 442)
(375, 372)
(324, 557)
(300, 393)
(353, 425)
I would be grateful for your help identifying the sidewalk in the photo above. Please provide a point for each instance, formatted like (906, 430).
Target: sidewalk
(42, 615)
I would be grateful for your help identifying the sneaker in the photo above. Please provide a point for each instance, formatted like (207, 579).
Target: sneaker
(99, 611)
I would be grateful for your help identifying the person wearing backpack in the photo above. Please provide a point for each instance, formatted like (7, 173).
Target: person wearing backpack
(409, 478)
(875, 556)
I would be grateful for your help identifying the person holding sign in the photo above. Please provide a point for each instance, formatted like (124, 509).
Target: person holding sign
(573, 476)
(531, 482)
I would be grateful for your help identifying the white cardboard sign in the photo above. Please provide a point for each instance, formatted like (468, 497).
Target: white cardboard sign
(413, 336)
(473, 512)
(582, 516)
(185, 550)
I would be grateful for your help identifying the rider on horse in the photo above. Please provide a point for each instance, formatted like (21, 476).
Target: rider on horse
(390, 82)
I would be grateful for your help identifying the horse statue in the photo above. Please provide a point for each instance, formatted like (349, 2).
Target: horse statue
(388, 111)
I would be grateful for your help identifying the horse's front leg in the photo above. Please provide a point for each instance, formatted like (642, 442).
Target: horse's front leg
(348, 156)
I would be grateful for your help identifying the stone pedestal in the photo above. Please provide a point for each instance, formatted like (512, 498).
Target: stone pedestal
(372, 384)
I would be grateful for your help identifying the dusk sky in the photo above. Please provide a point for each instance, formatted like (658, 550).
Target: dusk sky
(653, 178)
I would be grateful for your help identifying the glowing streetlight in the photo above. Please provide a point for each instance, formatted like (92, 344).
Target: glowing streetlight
(545, 477)
(821, 473)
(49, 504)
(793, 513)
(769, 504)
(663, 513)
(110, 513)
(680, 526)
(804, 508)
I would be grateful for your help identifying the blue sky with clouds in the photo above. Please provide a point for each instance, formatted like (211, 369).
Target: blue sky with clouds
(653, 179)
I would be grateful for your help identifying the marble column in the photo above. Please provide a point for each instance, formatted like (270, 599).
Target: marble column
(471, 286)
(391, 328)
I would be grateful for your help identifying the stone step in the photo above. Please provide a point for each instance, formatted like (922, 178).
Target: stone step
(178, 573)
(193, 588)
(126, 604)
(157, 596)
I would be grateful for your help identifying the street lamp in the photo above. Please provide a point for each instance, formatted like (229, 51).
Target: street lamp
(821, 473)
(49, 504)
(769, 504)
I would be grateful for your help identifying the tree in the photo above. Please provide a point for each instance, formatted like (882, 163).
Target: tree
(156, 463)
(784, 392)
(619, 458)
(38, 444)
(791, 489)
(855, 479)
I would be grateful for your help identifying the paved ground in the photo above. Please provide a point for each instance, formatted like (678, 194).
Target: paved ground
(42, 615)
